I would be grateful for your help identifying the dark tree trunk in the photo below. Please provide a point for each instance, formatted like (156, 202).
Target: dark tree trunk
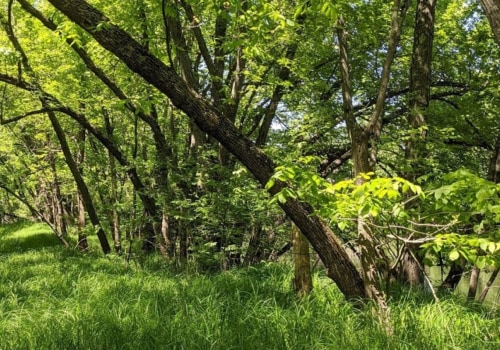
(80, 183)
(494, 168)
(454, 276)
(254, 250)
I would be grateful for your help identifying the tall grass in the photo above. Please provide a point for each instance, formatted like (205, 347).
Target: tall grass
(51, 298)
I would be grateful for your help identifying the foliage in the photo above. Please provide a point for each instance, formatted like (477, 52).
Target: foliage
(459, 216)
(471, 207)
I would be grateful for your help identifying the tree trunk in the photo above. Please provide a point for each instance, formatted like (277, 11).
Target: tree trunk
(420, 86)
(80, 156)
(454, 276)
(360, 157)
(340, 267)
(474, 280)
(80, 183)
(492, 10)
(113, 195)
(302, 261)
(488, 285)
(494, 168)
(57, 204)
(254, 250)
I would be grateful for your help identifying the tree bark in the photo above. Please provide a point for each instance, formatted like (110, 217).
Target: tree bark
(302, 261)
(488, 285)
(80, 156)
(492, 11)
(340, 267)
(420, 89)
(474, 280)
(80, 183)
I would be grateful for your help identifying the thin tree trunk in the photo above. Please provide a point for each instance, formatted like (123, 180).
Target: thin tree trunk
(254, 250)
(474, 280)
(488, 285)
(494, 168)
(302, 261)
(80, 157)
(57, 205)
(113, 195)
(80, 183)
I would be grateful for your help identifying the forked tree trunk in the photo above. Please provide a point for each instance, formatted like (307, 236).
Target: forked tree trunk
(361, 164)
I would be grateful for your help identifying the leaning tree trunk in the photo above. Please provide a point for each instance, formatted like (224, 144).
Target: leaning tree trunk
(339, 267)
(80, 183)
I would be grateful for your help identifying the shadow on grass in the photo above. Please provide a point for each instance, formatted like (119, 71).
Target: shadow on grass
(24, 235)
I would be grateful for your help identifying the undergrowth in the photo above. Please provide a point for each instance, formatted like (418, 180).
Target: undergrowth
(52, 298)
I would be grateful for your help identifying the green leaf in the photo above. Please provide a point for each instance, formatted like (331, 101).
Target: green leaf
(454, 255)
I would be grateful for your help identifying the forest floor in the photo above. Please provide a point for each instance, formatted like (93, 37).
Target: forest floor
(52, 298)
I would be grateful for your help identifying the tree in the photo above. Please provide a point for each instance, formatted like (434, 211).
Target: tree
(340, 268)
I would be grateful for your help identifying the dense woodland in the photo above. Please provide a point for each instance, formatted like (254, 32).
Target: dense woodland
(216, 133)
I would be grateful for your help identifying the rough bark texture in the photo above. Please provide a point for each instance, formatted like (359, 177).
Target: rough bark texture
(302, 261)
(420, 90)
(492, 10)
(420, 81)
(208, 119)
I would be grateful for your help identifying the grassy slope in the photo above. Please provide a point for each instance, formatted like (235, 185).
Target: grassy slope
(54, 299)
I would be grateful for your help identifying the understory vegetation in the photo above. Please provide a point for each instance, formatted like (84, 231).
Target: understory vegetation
(55, 298)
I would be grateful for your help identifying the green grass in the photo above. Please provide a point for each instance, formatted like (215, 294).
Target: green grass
(51, 298)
